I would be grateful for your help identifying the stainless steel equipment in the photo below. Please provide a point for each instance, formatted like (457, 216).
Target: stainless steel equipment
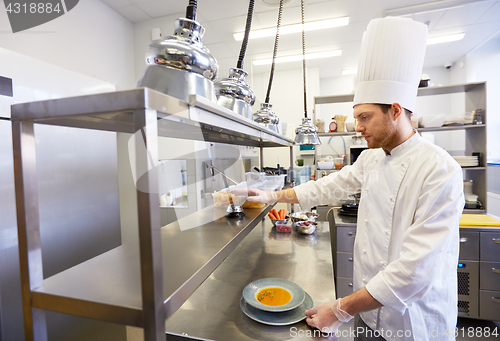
(233, 93)
(180, 65)
(266, 117)
(306, 133)
(136, 283)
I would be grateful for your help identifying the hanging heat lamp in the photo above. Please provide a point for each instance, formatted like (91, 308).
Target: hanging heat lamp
(232, 92)
(307, 132)
(180, 65)
(265, 116)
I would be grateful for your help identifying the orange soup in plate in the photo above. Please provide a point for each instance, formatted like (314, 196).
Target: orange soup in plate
(274, 296)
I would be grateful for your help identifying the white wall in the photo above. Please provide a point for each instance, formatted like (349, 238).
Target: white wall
(287, 98)
(91, 39)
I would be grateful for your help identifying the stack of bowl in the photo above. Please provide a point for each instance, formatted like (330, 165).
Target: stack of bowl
(275, 301)
(304, 222)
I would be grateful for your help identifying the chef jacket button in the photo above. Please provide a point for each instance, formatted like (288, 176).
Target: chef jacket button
(386, 231)
(402, 164)
(366, 220)
(382, 262)
(391, 198)
(364, 280)
(364, 250)
(366, 189)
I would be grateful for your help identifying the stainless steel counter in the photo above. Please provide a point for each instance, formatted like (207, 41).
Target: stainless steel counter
(213, 311)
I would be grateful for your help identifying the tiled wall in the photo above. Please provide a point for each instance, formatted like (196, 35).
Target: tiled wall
(493, 189)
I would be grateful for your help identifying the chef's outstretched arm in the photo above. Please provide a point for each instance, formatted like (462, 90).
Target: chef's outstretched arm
(329, 316)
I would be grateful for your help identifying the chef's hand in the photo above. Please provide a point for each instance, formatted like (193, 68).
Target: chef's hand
(327, 317)
(256, 195)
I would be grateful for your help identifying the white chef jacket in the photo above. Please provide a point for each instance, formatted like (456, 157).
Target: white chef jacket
(407, 239)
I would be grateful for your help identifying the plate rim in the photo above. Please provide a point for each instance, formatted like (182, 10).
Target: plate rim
(264, 307)
(243, 301)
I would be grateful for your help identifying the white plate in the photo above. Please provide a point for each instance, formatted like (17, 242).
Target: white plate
(280, 318)
(251, 290)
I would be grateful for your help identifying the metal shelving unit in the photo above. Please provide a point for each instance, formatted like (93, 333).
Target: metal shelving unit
(144, 282)
(475, 135)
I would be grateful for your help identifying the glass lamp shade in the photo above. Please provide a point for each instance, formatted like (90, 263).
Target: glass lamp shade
(307, 133)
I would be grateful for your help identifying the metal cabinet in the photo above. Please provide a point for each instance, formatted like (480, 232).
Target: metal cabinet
(139, 283)
(489, 294)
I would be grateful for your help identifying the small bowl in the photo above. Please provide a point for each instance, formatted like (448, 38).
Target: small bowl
(301, 216)
(306, 227)
(281, 221)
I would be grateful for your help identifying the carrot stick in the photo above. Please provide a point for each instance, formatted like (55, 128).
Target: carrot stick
(272, 216)
(282, 214)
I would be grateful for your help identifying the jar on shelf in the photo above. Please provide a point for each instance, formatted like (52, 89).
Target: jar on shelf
(333, 126)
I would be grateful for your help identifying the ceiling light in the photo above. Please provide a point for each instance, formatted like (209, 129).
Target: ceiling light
(428, 7)
(445, 39)
(297, 57)
(287, 29)
(346, 72)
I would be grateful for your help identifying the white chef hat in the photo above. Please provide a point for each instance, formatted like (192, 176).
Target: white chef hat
(391, 61)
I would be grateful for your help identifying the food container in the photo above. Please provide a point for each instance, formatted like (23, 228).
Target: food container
(282, 226)
(306, 227)
(279, 221)
(338, 162)
(431, 121)
(303, 216)
(325, 164)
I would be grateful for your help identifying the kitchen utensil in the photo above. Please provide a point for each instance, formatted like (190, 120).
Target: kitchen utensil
(306, 227)
(303, 216)
(280, 318)
(252, 289)
(299, 162)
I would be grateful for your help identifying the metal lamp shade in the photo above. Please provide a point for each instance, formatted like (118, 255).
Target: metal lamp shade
(266, 117)
(180, 65)
(307, 133)
(233, 93)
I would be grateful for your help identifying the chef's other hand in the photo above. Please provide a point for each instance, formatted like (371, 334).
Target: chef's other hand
(256, 195)
(327, 317)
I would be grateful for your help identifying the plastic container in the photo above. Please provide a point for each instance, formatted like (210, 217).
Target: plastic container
(283, 227)
(338, 162)
(302, 174)
(254, 177)
(325, 164)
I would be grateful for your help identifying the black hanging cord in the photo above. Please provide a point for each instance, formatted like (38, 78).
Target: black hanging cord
(274, 52)
(303, 57)
(247, 33)
(191, 10)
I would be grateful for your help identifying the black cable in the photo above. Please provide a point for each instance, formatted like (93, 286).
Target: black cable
(271, 75)
(303, 57)
(191, 10)
(247, 33)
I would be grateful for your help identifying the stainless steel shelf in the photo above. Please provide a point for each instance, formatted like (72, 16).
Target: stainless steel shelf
(430, 91)
(200, 119)
(448, 128)
(346, 133)
(108, 287)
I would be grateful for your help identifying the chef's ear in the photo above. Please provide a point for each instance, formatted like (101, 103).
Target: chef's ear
(397, 110)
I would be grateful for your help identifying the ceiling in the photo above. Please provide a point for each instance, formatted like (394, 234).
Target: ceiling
(479, 20)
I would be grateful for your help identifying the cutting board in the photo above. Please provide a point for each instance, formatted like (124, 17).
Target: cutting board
(478, 220)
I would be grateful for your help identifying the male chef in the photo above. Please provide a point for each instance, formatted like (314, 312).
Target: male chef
(407, 239)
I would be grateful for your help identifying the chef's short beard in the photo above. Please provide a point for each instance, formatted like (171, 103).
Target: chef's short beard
(387, 139)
